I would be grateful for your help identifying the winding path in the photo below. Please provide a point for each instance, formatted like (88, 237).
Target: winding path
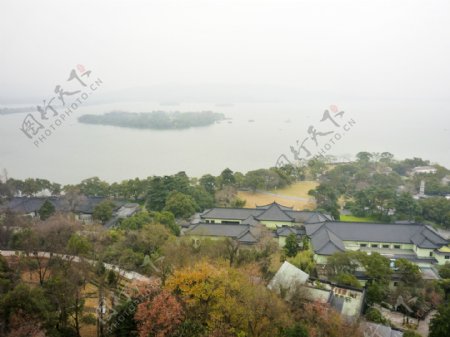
(129, 275)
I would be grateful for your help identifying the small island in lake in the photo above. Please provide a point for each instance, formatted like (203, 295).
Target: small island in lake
(159, 120)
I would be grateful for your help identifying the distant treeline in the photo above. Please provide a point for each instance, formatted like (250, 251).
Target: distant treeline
(376, 186)
(160, 192)
(154, 120)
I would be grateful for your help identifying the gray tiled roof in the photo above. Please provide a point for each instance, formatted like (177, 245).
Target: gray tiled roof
(33, 204)
(378, 330)
(287, 230)
(237, 231)
(127, 210)
(287, 277)
(250, 221)
(271, 212)
(325, 242)
(312, 228)
(285, 208)
(375, 232)
(426, 237)
(308, 217)
(275, 213)
(25, 204)
(87, 205)
(230, 213)
(327, 238)
(247, 237)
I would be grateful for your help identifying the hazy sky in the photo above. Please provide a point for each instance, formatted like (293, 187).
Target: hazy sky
(362, 49)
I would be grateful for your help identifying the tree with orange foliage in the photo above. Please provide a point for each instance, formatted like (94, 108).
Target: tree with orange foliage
(227, 302)
(322, 320)
(160, 316)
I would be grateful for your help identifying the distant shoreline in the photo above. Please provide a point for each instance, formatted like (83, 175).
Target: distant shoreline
(156, 120)
(9, 111)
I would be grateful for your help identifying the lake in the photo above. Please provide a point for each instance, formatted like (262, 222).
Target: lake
(256, 135)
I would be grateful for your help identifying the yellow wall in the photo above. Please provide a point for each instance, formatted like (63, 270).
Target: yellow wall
(206, 237)
(421, 252)
(221, 220)
(355, 245)
(320, 259)
(441, 259)
(274, 224)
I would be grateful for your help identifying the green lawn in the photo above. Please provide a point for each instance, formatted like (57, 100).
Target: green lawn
(351, 218)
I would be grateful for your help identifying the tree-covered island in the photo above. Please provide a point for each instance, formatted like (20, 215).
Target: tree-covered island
(159, 120)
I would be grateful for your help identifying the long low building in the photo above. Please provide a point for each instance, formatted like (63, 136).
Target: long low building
(272, 216)
(81, 206)
(418, 243)
(243, 233)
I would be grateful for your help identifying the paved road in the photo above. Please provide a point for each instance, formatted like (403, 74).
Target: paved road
(397, 319)
(129, 275)
(424, 326)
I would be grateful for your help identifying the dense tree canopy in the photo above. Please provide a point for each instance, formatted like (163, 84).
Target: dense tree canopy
(180, 205)
(104, 211)
(225, 301)
(327, 200)
(291, 246)
(440, 324)
(209, 287)
(380, 187)
(46, 210)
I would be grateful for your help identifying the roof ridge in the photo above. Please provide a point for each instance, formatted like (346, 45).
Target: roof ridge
(245, 232)
(219, 207)
(276, 203)
(434, 232)
(375, 223)
(277, 208)
(310, 216)
(206, 212)
(334, 234)
(333, 239)
(326, 242)
(319, 226)
(301, 211)
(193, 227)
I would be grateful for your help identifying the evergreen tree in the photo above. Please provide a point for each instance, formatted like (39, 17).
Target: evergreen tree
(291, 245)
(46, 210)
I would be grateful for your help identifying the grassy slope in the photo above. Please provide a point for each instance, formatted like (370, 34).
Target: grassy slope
(299, 189)
(351, 218)
(289, 196)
